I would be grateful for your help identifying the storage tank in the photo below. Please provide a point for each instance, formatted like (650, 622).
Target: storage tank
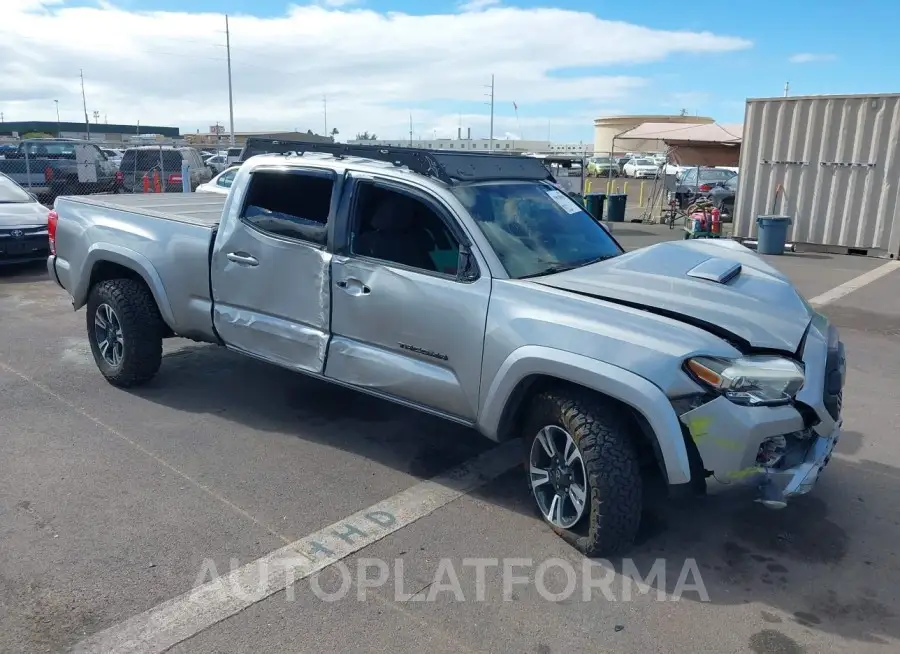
(606, 129)
(830, 162)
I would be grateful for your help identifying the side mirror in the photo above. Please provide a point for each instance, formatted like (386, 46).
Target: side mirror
(467, 270)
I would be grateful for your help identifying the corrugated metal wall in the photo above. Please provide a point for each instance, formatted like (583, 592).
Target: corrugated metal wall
(838, 161)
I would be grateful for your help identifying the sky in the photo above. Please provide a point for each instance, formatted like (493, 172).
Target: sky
(369, 65)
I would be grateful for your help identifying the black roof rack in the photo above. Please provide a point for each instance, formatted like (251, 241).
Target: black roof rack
(449, 167)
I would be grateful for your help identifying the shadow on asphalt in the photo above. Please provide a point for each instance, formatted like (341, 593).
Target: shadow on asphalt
(23, 273)
(786, 560)
(211, 379)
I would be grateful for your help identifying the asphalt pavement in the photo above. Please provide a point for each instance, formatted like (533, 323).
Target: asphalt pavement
(115, 505)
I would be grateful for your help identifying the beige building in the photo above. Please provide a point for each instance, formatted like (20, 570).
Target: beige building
(607, 129)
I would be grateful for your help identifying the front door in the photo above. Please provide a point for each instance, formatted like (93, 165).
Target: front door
(408, 313)
(270, 269)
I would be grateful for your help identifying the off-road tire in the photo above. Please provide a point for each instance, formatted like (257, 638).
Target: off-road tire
(603, 433)
(142, 331)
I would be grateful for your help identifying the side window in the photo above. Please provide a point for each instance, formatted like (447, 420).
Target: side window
(291, 204)
(688, 177)
(400, 228)
(226, 179)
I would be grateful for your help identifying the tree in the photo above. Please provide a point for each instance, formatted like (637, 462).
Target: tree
(365, 136)
(334, 132)
(36, 135)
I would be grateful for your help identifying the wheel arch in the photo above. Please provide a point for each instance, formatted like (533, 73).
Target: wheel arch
(107, 261)
(533, 369)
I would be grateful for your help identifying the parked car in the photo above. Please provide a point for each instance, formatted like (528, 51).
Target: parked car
(217, 163)
(166, 162)
(221, 183)
(51, 167)
(641, 169)
(697, 182)
(482, 294)
(723, 197)
(603, 167)
(23, 225)
(620, 162)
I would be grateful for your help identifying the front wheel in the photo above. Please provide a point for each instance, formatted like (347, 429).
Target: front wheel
(125, 331)
(583, 471)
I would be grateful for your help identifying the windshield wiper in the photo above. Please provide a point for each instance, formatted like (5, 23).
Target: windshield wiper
(552, 270)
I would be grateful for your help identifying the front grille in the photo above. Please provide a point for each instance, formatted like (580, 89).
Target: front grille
(835, 371)
(24, 242)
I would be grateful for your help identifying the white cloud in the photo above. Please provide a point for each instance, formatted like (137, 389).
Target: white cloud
(478, 5)
(169, 67)
(810, 57)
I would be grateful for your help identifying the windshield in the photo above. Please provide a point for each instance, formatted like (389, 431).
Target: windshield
(535, 228)
(12, 193)
(601, 160)
(643, 162)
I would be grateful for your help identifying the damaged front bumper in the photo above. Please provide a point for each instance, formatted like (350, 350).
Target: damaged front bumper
(781, 449)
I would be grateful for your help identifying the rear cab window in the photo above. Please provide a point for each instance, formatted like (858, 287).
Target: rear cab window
(292, 203)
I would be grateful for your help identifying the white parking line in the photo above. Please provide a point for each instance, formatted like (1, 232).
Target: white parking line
(177, 619)
(856, 283)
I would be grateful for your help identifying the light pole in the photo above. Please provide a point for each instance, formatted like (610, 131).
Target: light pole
(491, 95)
(58, 127)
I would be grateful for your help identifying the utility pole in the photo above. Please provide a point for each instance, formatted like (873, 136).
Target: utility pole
(87, 123)
(58, 125)
(491, 137)
(230, 97)
(96, 117)
(325, 112)
(787, 87)
(410, 130)
(138, 133)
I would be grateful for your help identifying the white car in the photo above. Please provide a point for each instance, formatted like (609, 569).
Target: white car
(217, 162)
(221, 183)
(641, 168)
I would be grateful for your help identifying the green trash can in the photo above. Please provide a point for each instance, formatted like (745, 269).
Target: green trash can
(772, 234)
(594, 204)
(615, 207)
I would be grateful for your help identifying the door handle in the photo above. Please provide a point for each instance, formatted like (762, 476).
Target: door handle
(353, 286)
(242, 258)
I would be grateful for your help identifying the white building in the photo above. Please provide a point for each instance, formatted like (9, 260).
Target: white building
(483, 145)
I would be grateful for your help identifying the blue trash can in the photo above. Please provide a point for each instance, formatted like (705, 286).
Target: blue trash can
(594, 204)
(615, 207)
(772, 234)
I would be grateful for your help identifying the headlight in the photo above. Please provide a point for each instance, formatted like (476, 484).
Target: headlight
(752, 380)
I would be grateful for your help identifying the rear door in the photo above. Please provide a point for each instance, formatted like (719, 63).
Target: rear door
(270, 268)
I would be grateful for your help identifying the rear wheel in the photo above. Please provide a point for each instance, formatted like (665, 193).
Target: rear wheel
(125, 331)
(583, 471)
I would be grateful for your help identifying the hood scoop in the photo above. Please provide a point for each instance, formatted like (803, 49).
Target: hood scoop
(716, 270)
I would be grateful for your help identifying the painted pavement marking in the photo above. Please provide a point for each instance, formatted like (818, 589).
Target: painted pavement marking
(179, 618)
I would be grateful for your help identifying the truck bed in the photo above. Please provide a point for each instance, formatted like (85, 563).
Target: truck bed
(199, 209)
(166, 238)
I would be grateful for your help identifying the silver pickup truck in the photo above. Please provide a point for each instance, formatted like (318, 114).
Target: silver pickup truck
(472, 288)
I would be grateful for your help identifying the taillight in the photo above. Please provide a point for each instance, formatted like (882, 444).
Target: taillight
(120, 177)
(705, 188)
(48, 174)
(52, 219)
(175, 178)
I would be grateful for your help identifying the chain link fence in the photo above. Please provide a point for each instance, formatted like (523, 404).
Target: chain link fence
(49, 168)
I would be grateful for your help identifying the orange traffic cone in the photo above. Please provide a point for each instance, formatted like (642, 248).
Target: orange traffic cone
(157, 186)
(146, 183)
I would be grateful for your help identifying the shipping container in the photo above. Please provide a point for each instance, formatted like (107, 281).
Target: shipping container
(832, 163)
